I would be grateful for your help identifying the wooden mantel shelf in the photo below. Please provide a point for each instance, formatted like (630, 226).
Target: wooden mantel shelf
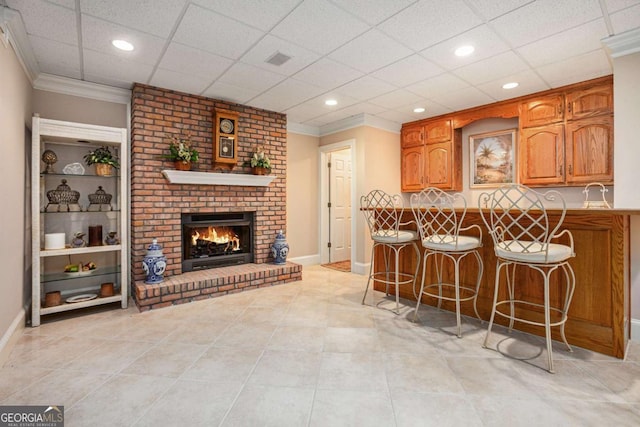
(213, 178)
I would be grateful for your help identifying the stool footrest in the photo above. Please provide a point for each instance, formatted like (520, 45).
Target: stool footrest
(532, 304)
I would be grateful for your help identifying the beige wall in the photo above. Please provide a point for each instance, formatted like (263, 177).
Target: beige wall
(302, 195)
(56, 106)
(15, 116)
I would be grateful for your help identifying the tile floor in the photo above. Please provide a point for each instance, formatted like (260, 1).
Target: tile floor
(309, 354)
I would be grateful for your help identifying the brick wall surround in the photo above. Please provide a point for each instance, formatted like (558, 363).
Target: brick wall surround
(156, 205)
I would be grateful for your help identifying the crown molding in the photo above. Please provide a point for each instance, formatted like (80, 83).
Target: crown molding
(623, 44)
(301, 129)
(360, 120)
(15, 34)
(82, 89)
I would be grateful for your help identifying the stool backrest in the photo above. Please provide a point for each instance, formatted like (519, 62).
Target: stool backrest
(435, 213)
(517, 219)
(383, 212)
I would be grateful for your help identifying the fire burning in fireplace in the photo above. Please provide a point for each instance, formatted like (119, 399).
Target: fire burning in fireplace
(221, 236)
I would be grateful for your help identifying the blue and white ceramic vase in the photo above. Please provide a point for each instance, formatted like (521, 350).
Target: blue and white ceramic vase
(280, 249)
(154, 263)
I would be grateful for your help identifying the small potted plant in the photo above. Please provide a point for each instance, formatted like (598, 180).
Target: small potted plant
(103, 159)
(181, 153)
(260, 163)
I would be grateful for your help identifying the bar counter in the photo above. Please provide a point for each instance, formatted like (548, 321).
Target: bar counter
(600, 309)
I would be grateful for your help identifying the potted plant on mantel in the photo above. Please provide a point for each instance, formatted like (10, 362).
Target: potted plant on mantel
(260, 163)
(103, 159)
(181, 153)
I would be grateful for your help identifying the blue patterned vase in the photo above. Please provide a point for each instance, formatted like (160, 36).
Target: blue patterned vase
(280, 249)
(154, 263)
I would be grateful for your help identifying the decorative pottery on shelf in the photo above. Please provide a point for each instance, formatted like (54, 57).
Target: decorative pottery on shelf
(104, 169)
(183, 165)
(257, 170)
(280, 249)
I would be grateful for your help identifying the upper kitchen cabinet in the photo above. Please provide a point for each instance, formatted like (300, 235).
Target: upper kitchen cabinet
(412, 136)
(541, 155)
(589, 150)
(412, 168)
(542, 111)
(438, 131)
(590, 102)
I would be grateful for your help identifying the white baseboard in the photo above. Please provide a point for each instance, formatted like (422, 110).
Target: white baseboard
(306, 260)
(11, 335)
(360, 268)
(635, 330)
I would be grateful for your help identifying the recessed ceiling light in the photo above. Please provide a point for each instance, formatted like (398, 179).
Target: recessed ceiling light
(122, 45)
(464, 50)
(330, 102)
(418, 110)
(510, 85)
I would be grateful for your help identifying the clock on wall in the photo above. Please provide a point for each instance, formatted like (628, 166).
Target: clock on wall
(225, 140)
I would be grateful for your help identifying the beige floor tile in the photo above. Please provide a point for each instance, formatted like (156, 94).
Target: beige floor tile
(348, 317)
(224, 364)
(422, 373)
(286, 369)
(262, 314)
(621, 378)
(203, 332)
(348, 408)
(16, 378)
(433, 409)
(55, 353)
(490, 377)
(297, 338)
(246, 335)
(349, 340)
(110, 357)
(166, 360)
(352, 371)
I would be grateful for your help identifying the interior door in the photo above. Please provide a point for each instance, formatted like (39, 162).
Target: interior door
(340, 205)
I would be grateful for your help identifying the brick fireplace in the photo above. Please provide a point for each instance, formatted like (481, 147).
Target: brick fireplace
(157, 206)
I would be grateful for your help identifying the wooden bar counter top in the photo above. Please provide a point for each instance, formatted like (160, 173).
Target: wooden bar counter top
(600, 309)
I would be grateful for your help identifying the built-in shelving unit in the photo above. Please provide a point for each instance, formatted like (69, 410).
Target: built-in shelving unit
(70, 142)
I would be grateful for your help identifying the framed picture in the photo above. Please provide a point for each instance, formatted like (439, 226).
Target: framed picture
(493, 158)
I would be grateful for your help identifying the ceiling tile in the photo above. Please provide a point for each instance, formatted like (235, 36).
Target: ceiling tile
(370, 51)
(579, 68)
(365, 87)
(432, 109)
(491, 68)
(319, 26)
(69, 4)
(270, 45)
(47, 20)
(243, 75)
(439, 85)
(528, 82)
(463, 98)
(485, 41)
(490, 9)
(373, 11)
(543, 18)
(625, 20)
(263, 14)
(227, 92)
(327, 74)
(56, 58)
(576, 41)
(408, 70)
(417, 28)
(181, 82)
(616, 5)
(114, 68)
(286, 95)
(395, 99)
(206, 30)
(181, 58)
(98, 34)
(396, 116)
(155, 17)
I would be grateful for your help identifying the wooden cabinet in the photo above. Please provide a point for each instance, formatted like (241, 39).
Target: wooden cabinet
(542, 111)
(589, 150)
(84, 203)
(594, 101)
(431, 157)
(541, 155)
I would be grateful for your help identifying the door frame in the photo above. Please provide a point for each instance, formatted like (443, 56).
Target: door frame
(324, 151)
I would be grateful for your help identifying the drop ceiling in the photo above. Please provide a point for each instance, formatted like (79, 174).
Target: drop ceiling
(381, 58)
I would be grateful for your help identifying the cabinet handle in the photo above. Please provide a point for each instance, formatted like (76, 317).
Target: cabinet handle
(560, 170)
(569, 108)
(570, 169)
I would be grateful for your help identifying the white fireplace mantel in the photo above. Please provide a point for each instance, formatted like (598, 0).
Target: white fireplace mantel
(213, 178)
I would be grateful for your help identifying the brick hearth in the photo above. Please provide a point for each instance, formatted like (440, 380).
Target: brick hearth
(203, 284)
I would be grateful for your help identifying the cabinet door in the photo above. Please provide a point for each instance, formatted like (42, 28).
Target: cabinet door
(412, 168)
(439, 166)
(542, 155)
(542, 111)
(412, 136)
(590, 102)
(438, 131)
(590, 150)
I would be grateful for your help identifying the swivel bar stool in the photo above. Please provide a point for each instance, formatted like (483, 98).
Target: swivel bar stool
(384, 213)
(440, 227)
(522, 232)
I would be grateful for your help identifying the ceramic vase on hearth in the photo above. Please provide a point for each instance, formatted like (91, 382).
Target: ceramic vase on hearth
(154, 263)
(280, 249)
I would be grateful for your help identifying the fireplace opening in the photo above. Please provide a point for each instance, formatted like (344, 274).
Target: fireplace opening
(212, 240)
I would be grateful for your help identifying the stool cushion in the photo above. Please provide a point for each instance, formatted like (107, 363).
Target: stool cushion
(447, 243)
(515, 250)
(390, 236)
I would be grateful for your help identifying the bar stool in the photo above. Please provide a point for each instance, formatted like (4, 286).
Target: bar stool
(384, 213)
(522, 232)
(440, 227)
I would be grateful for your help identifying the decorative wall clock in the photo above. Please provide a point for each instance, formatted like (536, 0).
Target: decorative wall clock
(225, 139)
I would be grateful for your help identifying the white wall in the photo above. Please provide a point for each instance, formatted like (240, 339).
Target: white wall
(15, 116)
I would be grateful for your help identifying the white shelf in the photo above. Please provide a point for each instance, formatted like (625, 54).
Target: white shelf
(213, 178)
(77, 251)
(77, 305)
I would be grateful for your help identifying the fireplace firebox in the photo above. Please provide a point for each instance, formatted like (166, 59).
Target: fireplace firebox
(211, 240)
